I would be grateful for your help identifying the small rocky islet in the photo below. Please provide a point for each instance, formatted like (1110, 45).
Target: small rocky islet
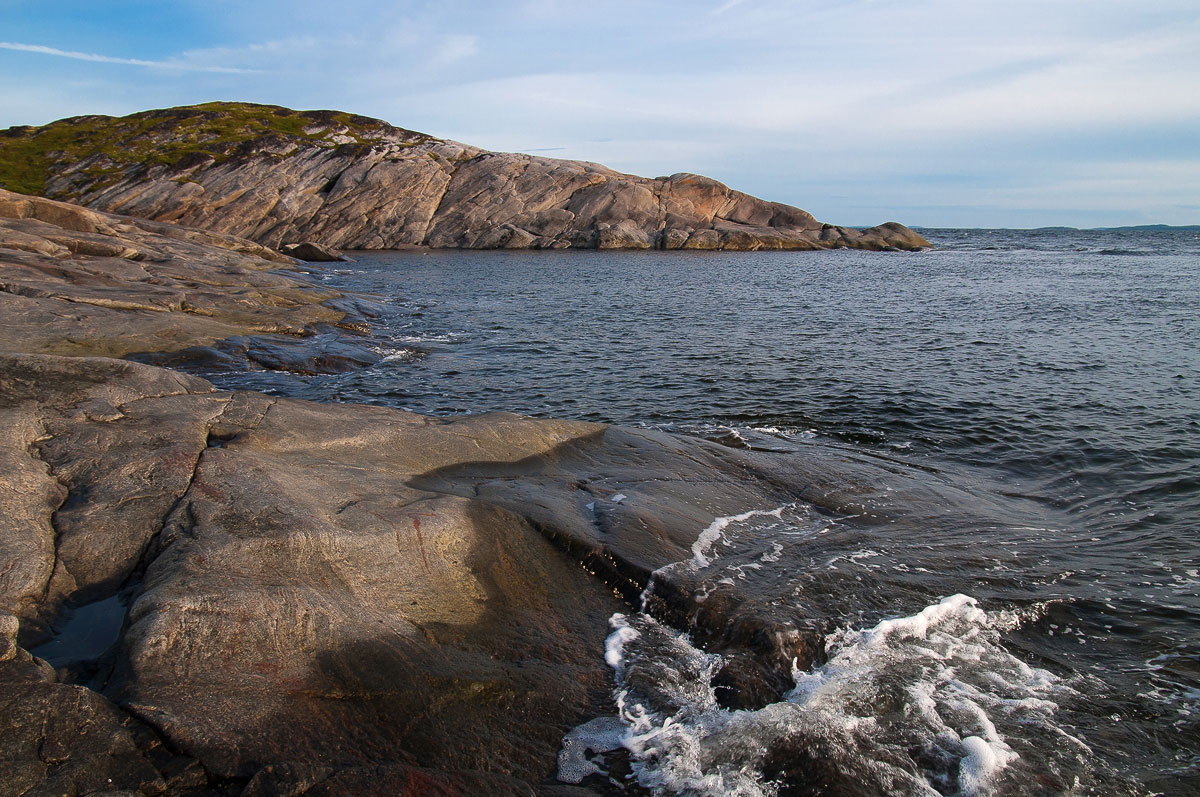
(319, 598)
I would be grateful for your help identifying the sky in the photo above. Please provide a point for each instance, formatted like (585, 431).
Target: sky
(935, 113)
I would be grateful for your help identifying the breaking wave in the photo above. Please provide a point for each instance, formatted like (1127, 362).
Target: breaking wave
(921, 705)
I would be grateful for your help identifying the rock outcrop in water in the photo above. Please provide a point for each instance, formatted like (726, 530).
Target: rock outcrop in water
(78, 282)
(280, 177)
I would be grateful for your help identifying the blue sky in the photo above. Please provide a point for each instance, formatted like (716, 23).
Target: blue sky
(929, 112)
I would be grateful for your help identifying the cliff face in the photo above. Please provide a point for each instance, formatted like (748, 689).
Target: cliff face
(278, 176)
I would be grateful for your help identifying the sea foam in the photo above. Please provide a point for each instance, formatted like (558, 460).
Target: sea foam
(702, 547)
(925, 704)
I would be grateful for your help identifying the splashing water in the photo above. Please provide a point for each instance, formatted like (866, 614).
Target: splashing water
(923, 705)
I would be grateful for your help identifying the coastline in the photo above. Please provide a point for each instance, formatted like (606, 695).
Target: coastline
(285, 564)
(383, 596)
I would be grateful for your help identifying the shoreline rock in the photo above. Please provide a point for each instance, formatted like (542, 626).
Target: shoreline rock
(79, 282)
(312, 584)
(312, 252)
(319, 598)
(275, 175)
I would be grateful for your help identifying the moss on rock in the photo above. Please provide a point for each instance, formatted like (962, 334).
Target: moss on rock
(102, 150)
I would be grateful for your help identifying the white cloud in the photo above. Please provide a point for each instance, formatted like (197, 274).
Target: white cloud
(105, 59)
(726, 6)
(939, 103)
(455, 47)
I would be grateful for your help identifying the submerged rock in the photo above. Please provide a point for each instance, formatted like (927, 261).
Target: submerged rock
(336, 180)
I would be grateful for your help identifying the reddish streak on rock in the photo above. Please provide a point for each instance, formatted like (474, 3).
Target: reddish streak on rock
(416, 521)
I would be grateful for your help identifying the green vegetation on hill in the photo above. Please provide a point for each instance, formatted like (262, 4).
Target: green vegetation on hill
(110, 148)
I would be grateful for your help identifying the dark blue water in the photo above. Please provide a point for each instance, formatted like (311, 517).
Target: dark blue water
(1051, 377)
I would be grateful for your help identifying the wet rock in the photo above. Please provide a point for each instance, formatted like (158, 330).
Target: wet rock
(396, 780)
(321, 353)
(351, 587)
(64, 739)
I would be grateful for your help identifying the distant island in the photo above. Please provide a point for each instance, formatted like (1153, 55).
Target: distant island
(279, 176)
(1153, 227)
(1133, 228)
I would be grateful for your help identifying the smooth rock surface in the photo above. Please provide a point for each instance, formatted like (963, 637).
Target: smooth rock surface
(337, 585)
(274, 175)
(77, 282)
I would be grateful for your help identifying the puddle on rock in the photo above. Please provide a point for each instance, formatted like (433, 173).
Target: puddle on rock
(85, 634)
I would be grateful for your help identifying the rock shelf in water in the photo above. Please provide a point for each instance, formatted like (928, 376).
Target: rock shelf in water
(278, 176)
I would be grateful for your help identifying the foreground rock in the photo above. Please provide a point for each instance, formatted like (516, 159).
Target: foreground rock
(78, 282)
(278, 176)
(312, 586)
(342, 599)
(323, 599)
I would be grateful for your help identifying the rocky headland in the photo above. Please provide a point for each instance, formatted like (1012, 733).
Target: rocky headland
(279, 177)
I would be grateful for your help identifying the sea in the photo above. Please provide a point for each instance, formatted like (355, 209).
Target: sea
(1038, 633)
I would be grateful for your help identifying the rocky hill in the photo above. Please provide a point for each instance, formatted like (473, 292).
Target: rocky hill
(278, 176)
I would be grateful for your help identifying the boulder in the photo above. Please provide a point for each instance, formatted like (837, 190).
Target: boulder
(312, 252)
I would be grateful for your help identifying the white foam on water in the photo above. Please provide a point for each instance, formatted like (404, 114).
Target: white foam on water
(392, 354)
(946, 681)
(737, 436)
(691, 746)
(774, 554)
(614, 646)
(983, 760)
(926, 704)
(449, 337)
(794, 432)
(581, 749)
(703, 545)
